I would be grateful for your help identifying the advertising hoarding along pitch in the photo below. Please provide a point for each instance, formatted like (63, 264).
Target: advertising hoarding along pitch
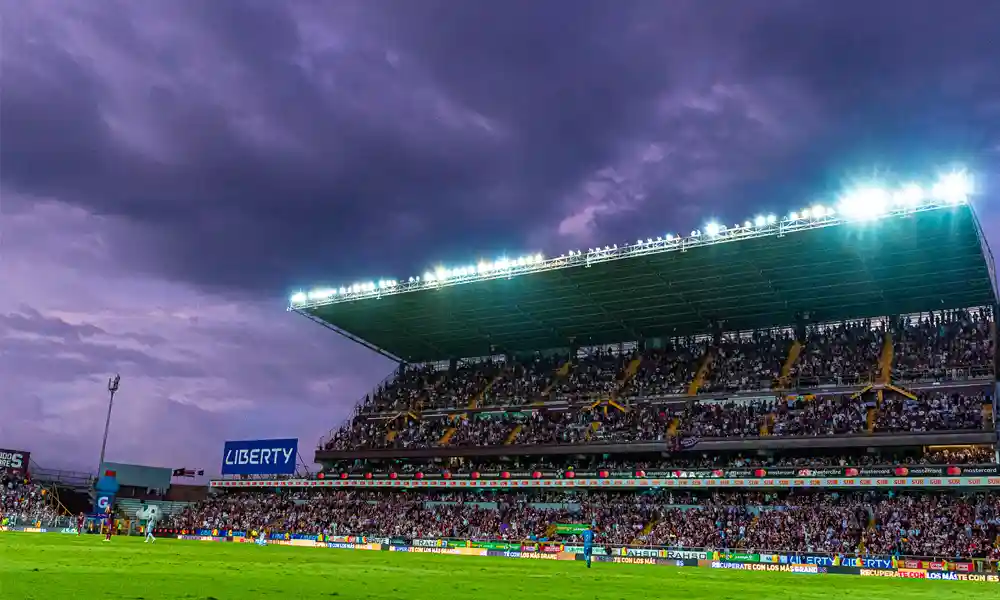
(260, 457)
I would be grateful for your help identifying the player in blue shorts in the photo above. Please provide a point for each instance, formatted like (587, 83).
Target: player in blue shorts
(588, 544)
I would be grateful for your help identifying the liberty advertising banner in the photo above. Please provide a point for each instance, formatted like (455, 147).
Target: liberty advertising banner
(260, 457)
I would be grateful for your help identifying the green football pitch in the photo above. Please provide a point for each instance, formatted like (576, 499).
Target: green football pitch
(34, 566)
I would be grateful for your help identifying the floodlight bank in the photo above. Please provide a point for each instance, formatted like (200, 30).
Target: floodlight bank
(859, 205)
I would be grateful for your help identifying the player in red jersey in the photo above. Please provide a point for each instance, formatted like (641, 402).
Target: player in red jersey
(80, 519)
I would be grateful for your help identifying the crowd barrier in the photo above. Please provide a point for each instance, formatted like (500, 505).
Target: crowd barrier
(802, 564)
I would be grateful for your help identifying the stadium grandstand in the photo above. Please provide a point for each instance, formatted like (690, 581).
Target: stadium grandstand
(819, 383)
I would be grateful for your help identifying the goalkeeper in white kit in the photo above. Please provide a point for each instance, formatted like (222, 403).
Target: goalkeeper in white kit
(151, 514)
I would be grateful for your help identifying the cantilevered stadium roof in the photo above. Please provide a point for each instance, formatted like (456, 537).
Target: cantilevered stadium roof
(831, 267)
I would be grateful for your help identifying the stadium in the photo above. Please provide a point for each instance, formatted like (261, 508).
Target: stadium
(813, 394)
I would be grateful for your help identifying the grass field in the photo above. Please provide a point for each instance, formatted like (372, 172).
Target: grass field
(49, 566)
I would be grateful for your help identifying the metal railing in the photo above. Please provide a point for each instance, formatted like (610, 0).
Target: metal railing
(358, 406)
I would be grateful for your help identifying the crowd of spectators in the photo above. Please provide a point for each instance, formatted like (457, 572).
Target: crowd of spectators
(940, 411)
(646, 421)
(748, 363)
(944, 345)
(23, 501)
(523, 382)
(668, 371)
(966, 455)
(870, 522)
(845, 354)
(941, 346)
(935, 525)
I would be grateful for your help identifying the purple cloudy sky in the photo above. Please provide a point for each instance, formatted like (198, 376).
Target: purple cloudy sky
(172, 169)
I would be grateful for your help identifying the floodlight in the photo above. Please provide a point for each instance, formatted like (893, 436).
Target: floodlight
(864, 204)
(953, 187)
(869, 202)
(910, 196)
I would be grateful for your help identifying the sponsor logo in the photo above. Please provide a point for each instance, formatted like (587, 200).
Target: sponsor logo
(686, 555)
(771, 568)
(629, 560)
(647, 552)
(341, 546)
(897, 573)
(535, 555)
(952, 576)
(259, 457)
(866, 563)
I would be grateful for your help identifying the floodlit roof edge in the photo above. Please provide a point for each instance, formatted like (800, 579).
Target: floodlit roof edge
(869, 204)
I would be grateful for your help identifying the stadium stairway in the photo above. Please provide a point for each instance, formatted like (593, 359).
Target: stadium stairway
(988, 416)
(559, 375)
(701, 373)
(513, 435)
(626, 378)
(765, 425)
(478, 397)
(447, 436)
(885, 359)
(645, 531)
(418, 404)
(790, 360)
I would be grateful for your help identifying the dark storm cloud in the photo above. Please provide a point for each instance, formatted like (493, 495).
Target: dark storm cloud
(264, 144)
(196, 368)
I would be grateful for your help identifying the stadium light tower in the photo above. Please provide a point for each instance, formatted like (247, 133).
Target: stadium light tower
(112, 388)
